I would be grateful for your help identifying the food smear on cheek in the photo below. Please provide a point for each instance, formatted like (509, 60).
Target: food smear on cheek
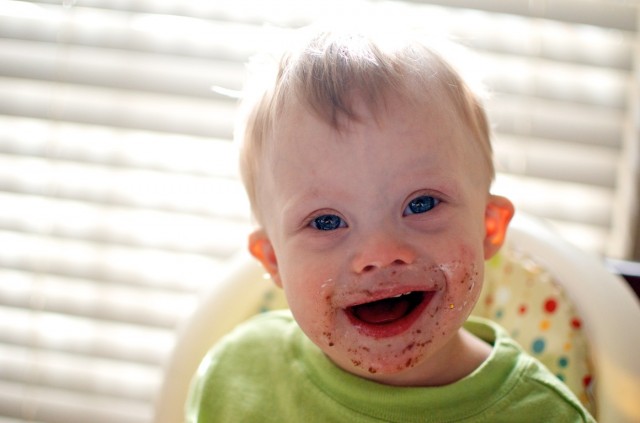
(327, 290)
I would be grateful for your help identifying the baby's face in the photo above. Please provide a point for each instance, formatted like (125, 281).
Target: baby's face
(377, 234)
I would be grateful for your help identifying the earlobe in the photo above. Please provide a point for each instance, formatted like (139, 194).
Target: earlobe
(261, 248)
(498, 214)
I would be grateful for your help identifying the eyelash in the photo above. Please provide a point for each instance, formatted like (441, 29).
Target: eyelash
(331, 222)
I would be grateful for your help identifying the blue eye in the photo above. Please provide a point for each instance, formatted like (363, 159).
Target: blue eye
(421, 204)
(328, 222)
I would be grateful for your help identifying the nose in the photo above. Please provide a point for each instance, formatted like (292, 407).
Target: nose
(381, 250)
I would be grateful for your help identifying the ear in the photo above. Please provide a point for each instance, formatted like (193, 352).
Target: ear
(261, 248)
(497, 216)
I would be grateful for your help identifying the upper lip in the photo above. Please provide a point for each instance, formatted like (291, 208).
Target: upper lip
(366, 296)
(387, 283)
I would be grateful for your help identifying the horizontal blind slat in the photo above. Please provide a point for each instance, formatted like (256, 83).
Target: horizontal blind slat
(78, 374)
(577, 212)
(84, 336)
(556, 120)
(523, 38)
(103, 263)
(106, 185)
(556, 160)
(619, 15)
(38, 404)
(282, 12)
(118, 108)
(121, 226)
(164, 34)
(173, 153)
(137, 305)
(550, 80)
(110, 68)
(11, 420)
(549, 199)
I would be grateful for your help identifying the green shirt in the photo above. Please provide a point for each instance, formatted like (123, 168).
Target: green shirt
(267, 370)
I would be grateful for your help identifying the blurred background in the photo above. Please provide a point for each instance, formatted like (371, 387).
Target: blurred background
(119, 195)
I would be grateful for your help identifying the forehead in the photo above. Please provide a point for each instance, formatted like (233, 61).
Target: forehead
(428, 133)
(432, 118)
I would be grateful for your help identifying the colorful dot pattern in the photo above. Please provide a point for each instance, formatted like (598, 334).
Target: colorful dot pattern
(527, 301)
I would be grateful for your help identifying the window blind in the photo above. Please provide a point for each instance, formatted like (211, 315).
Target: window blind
(119, 194)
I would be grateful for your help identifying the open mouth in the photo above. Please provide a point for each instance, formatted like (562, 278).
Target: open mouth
(389, 316)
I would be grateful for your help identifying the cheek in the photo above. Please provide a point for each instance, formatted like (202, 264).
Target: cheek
(464, 277)
(465, 287)
(309, 292)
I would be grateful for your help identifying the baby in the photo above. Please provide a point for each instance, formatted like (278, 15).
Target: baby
(367, 161)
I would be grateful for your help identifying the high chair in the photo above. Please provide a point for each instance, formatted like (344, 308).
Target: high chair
(559, 303)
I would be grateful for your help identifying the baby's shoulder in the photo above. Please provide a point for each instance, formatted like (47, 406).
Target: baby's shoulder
(246, 363)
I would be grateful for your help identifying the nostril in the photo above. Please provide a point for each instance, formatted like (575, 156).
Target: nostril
(370, 267)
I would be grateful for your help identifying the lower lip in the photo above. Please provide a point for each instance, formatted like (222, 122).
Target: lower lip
(386, 330)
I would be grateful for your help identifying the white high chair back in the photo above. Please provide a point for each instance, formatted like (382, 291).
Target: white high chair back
(599, 339)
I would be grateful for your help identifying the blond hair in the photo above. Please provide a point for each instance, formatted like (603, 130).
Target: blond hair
(324, 72)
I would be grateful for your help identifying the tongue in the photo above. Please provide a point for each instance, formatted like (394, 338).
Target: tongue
(383, 311)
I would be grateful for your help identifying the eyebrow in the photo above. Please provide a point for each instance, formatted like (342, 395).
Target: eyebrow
(296, 202)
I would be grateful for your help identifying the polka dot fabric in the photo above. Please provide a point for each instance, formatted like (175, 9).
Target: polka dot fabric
(523, 298)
